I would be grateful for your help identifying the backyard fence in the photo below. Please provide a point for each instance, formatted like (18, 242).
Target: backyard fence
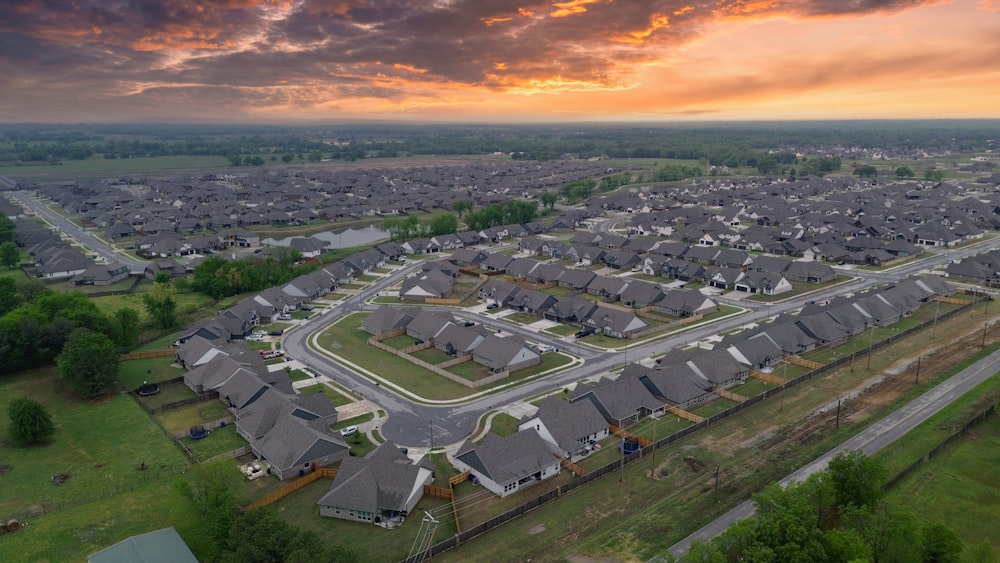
(273, 497)
(625, 460)
(147, 354)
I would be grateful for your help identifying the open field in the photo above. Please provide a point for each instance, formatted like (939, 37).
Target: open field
(961, 486)
(100, 444)
(73, 169)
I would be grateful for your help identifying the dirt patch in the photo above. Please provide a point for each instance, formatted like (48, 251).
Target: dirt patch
(5, 469)
(60, 478)
(536, 530)
(694, 464)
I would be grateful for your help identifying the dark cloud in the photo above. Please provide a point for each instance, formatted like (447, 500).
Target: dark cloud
(264, 53)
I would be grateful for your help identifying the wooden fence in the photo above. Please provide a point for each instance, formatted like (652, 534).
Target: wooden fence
(439, 492)
(273, 497)
(147, 354)
(802, 362)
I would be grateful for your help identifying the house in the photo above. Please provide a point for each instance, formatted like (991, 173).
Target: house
(686, 303)
(622, 402)
(427, 323)
(387, 318)
(641, 294)
(457, 340)
(676, 385)
(812, 272)
(381, 488)
(765, 283)
(160, 546)
(293, 447)
(571, 429)
(531, 301)
(508, 353)
(615, 323)
(433, 283)
(507, 464)
(101, 274)
(607, 287)
(570, 310)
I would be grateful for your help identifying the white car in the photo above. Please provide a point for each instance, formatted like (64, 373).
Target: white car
(349, 431)
(285, 317)
(543, 348)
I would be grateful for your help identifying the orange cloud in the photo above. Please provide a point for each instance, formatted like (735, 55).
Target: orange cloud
(570, 8)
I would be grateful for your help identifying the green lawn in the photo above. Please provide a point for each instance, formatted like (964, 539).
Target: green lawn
(521, 318)
(399, 342)
(298, 375)
(338, 399)
(218, 441)
(752, 387)
(503, 424)
(346, 339)
(353, 421)
(181, 419)
(360, 444)
(133, 373)
(961, 488)
(712, 407)
(367, 278)
(563, 330)
(168, 394)
(100, 444)
(432, 356)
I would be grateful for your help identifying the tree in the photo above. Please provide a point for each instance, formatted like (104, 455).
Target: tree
(941, 544)
(866, 171)
(460, 206)
(549, 199)
(934, 175)
(31, 289)
(29, 423)
(161, 305)
(88, 362)
(210, 489)
(856, 478)
(9, 254)
(126, 327)
(6, 229)
(443, 224)
(904, 172)
(891, 533)
(9, 299)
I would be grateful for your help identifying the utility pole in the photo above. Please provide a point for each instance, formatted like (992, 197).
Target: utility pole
(871, 344)
(854, 349)
(937, 307)
(838, 413)
(652, 465)
(983, 343)
(717, 478)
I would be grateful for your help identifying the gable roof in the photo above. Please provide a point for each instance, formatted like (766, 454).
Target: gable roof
(507, 458)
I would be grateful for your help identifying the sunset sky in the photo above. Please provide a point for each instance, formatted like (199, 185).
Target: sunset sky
(267, 61)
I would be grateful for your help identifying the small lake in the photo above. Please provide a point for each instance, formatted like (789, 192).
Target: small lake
(341, 239)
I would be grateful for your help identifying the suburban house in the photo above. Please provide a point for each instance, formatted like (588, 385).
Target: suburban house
(387, 318)
(507, 464)
(622, 402)
(571, 429)
(381, 488)
(508, 353)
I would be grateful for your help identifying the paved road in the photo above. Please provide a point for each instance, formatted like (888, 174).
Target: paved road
(869, 441)
(415, 424)
(80, 235)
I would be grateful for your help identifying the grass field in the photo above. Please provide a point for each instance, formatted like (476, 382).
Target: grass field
(961, 487)
(133, 373)
(218, 441)
(338, 399)
(100, 444)
(503, 424)
(72, 169)
(181, 419)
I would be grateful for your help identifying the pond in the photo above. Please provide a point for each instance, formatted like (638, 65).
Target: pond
(343, 239)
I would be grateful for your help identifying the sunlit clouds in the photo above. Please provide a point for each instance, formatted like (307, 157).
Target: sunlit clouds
(502, 60)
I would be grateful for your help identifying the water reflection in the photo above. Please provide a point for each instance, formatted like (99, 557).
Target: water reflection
(341, 239)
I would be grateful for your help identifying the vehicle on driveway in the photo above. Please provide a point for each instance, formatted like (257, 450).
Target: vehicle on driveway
(349, 431)
(584, 333)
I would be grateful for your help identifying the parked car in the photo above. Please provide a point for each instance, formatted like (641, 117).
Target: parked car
(584, 333)
(308, 307)
(285, 317)
(544, 348)
(349, 431)
(278, 332)
(470, 323)
(492, 305)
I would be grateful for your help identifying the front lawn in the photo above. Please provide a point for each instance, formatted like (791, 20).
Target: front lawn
(353, 421)
(503, 424)
(563, 330)
(338, 399)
